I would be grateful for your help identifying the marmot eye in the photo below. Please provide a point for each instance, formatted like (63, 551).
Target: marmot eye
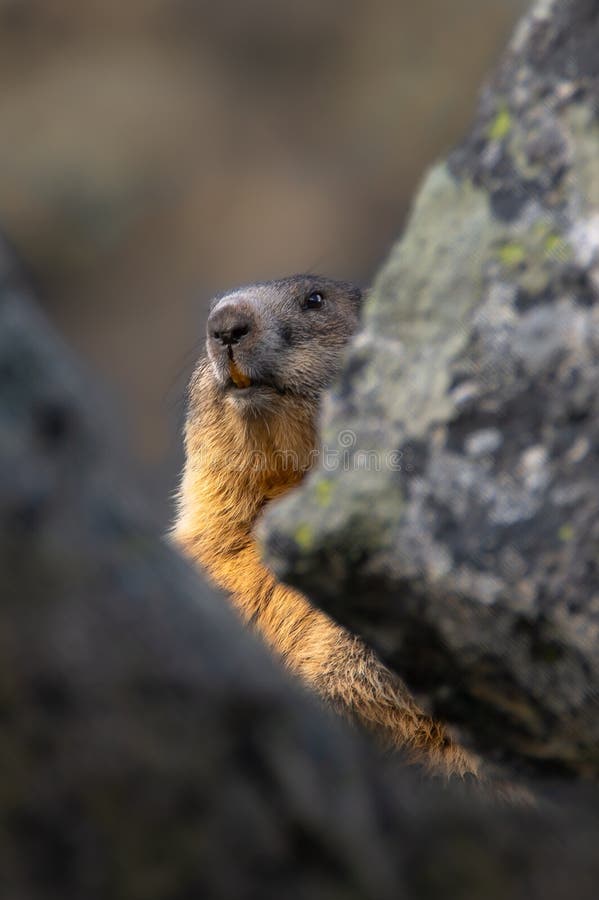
(313, 300)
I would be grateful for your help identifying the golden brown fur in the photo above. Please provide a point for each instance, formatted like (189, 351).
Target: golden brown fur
(236, 462)
(218, 508)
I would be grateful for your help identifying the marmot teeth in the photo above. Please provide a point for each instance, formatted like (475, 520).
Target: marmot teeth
(237, 376)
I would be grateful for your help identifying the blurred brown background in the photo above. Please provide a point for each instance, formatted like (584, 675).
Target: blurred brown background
(153, 152)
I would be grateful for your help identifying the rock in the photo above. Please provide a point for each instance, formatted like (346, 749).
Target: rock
(150, 747)
(454, 520)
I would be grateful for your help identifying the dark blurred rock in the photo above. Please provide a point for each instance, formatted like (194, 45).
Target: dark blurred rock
(150, 748)
(459, 528)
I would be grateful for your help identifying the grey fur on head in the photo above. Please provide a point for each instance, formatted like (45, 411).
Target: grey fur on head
(284, 337)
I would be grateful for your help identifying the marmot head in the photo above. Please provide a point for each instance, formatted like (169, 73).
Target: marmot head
(279, 338)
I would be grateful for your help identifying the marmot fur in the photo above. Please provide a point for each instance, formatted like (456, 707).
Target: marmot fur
(250, 436)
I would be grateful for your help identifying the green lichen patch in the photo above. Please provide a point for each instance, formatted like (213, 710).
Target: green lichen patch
(501, 126)
(324, 492)
(304, 536)
(512, 254)
(555, 245)
(566, 533)
(532, 254)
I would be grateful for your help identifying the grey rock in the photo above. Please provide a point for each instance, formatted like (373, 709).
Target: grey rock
(470, 556)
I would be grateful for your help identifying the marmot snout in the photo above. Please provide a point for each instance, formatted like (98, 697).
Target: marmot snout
(250, 436)
(281, 337)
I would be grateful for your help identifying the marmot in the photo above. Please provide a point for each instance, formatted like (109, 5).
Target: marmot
(250, 436)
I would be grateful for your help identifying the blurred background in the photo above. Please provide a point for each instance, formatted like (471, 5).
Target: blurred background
(154, 152)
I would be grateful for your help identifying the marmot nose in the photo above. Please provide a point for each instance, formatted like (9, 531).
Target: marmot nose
(228, 336)
(228, 326)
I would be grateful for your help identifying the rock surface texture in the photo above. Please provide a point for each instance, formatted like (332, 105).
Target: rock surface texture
(454, 520)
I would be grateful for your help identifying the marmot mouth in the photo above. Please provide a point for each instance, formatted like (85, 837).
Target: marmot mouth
(239, 378)
(251, 386)
(239, 381)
